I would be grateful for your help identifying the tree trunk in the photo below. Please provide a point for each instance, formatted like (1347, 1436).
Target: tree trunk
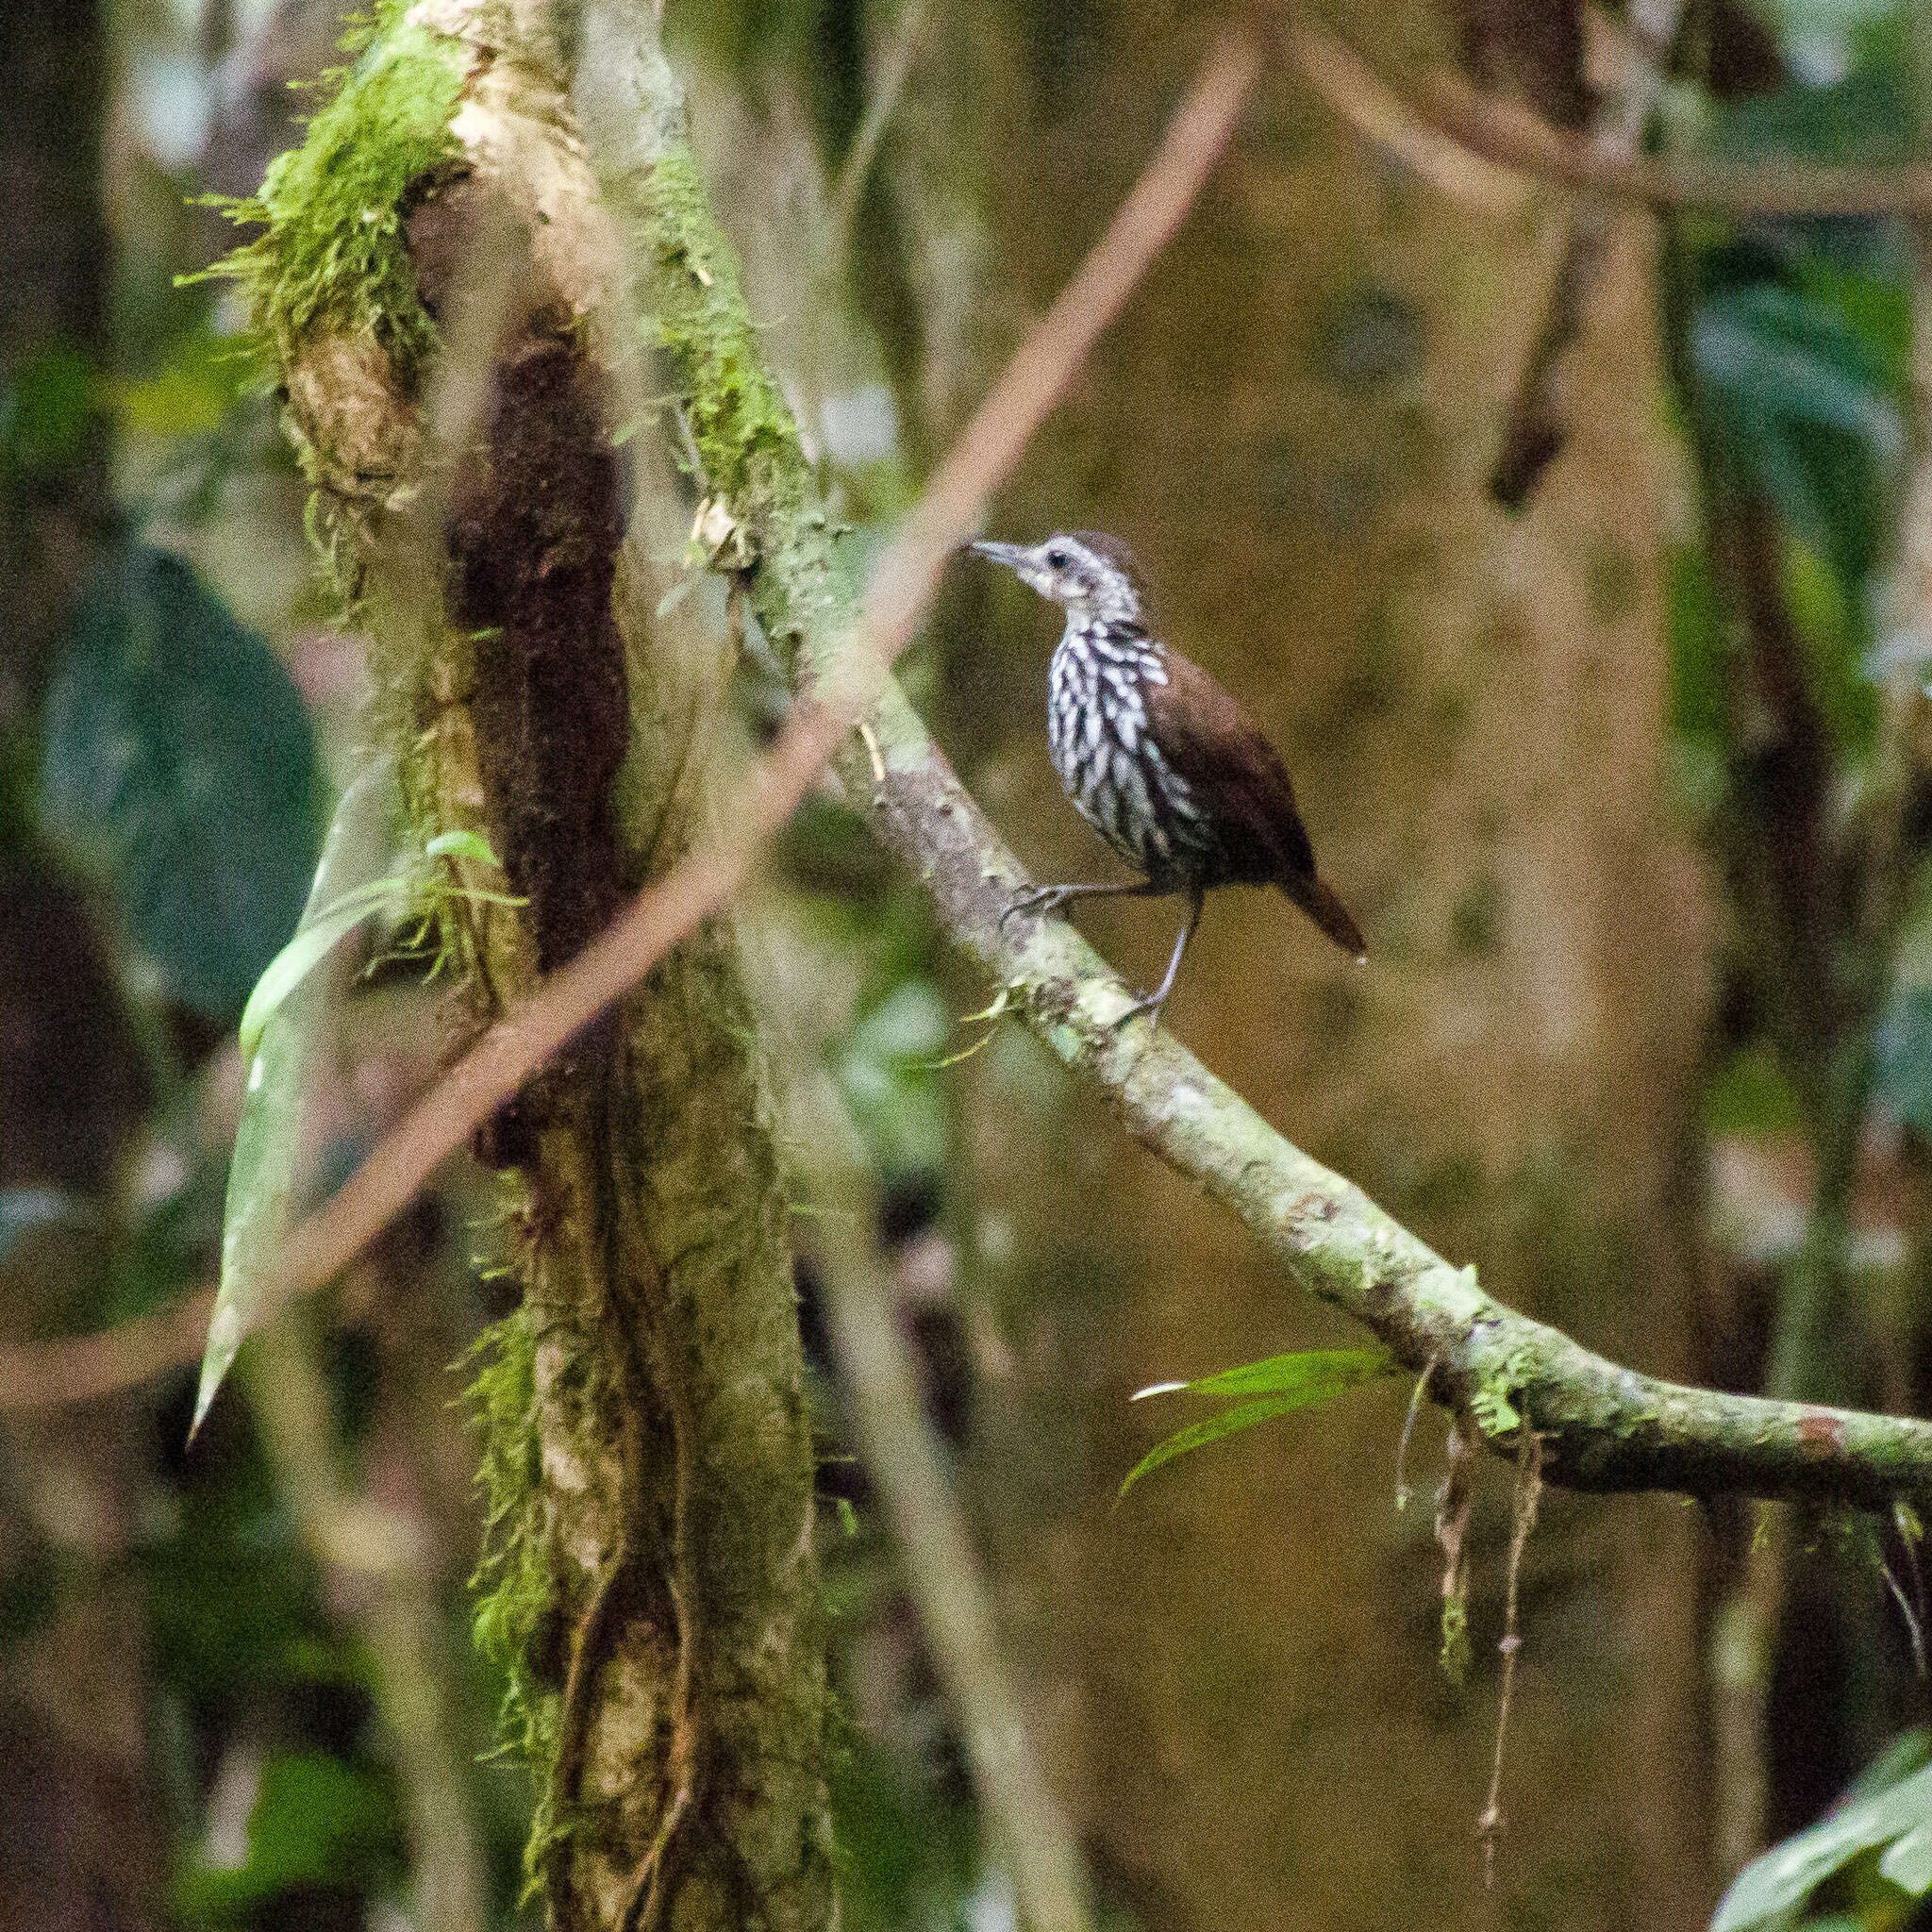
(654, 1585)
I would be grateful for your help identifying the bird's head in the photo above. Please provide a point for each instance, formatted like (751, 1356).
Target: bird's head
(1093, 576)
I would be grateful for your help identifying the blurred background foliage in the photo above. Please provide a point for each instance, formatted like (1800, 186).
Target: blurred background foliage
(1630, 790)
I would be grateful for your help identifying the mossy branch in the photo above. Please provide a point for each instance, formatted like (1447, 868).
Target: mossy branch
(1602, 1426)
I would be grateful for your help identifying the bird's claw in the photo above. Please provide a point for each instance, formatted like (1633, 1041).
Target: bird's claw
(1040, 899)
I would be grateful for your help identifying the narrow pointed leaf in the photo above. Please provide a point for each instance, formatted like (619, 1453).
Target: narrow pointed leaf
(462, 843)
(1908, 1861)
(1312, 1375)
(1278, 1386)
(261, 1173)
(1198, 1435)
(312, 944)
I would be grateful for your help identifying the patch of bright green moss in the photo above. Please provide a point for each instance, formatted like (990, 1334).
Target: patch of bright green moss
(745, 433)
(334, 251)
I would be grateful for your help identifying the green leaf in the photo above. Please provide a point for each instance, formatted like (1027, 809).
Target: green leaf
(1311, 1375)
(1282, 1384)
(1867, 117)
(1809, 409)
(888, 1081)
(257, 1212)
(464, 843)
(316, 1821)
(312, 944)
(1781, 351)
(178, 758)
(1787, 1874)
(1908, 1861)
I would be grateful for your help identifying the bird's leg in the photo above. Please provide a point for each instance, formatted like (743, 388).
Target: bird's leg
(1153, 1003)
(1046, 900)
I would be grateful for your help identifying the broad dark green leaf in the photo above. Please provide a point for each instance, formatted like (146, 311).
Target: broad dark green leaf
(179, 759)
(1868, 116)
(1809, 409)
(1279, 1385)
(1879, 1811)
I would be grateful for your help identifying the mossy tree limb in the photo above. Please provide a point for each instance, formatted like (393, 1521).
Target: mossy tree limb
(654, 1589)
(1603, 1427)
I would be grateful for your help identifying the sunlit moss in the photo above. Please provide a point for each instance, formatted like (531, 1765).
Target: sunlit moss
(743, 432)
(333, 251)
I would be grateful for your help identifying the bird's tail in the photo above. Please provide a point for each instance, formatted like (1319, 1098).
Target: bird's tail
(1317, 898)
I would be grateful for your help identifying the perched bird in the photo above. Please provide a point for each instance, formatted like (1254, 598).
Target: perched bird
(1157, 757)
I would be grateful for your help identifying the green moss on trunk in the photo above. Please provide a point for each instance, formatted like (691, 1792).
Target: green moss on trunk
(650, 1588)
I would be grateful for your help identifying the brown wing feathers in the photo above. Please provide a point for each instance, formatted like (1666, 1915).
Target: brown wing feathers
(1241, 781)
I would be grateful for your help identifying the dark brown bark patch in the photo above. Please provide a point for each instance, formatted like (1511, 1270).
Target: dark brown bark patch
(533, 542)
(535, 521)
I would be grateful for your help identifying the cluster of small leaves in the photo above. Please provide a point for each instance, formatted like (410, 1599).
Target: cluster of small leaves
(1795, 370)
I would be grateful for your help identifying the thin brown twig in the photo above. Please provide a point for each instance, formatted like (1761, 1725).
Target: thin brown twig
(84, 1367)
(896, 70)
(1028, 1826)
(1510, 138)
(1455, 1500)
(1415, 1409)
(1528, 1493)
(1537, 424)
(1914, 1630)
(1353, 90)
(660, 917)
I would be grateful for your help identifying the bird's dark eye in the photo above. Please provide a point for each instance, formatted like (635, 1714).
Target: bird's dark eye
(1058, 559)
